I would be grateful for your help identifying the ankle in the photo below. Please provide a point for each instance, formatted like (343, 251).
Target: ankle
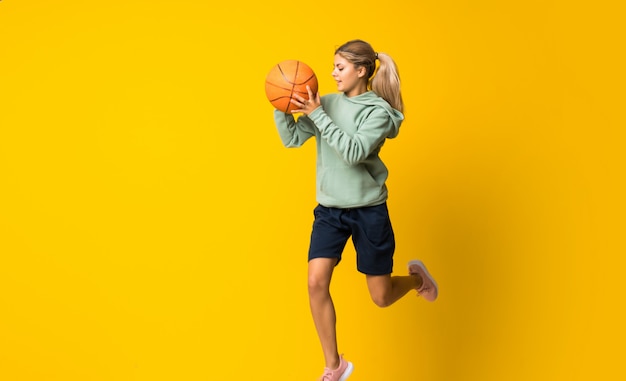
(334, 363)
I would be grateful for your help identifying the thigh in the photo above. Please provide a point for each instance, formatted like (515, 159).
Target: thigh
(374, 240)
(329, 235)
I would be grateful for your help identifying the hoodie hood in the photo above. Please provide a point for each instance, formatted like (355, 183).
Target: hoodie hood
(370, 98)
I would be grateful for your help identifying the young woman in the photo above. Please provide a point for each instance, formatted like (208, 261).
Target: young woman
(350, 128)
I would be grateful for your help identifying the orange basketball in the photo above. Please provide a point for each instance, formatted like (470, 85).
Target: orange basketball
(286, 79)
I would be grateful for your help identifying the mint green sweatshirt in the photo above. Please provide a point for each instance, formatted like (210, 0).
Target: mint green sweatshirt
(350, 132)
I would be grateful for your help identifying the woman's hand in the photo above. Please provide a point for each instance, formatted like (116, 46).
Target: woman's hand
(306, 106)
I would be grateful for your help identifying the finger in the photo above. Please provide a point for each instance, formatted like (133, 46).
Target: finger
(299, 104)
(298, 97)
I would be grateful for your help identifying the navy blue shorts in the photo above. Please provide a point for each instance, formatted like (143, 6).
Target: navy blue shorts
(371, 231)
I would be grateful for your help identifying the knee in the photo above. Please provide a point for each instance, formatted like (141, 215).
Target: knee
(381, 300)
(318, 286)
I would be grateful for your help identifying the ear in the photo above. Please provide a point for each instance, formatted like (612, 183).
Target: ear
(361, 71)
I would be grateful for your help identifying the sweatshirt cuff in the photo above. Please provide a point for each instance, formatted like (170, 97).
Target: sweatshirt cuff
(315, 114)
(316, 111)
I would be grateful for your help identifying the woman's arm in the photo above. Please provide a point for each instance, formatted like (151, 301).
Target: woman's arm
(356, 148)
(292, 133)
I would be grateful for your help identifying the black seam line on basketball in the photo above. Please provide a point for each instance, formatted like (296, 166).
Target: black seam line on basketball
(286, 80)
(277, 86)
(305, 81)
(293, 86)
(281, 97)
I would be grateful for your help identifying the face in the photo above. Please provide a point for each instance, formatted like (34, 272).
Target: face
(350, 80)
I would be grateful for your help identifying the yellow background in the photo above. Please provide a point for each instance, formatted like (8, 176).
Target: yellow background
(152, 226)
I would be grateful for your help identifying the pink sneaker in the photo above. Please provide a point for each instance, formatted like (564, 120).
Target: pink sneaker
(429, 288)
(340, 374)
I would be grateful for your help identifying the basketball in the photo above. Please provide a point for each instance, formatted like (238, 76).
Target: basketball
(286, 79)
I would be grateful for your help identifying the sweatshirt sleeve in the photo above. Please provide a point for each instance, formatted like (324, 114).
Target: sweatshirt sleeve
(356, 148)
(293, 133)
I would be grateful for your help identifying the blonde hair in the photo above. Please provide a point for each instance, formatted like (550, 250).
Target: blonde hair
(385, 81)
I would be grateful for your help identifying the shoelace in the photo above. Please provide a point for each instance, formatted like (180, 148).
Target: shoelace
(328, 375)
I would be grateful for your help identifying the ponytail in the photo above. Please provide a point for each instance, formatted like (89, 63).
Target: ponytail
(386, 82)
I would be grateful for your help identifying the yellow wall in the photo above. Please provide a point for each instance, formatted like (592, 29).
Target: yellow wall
(152, 226)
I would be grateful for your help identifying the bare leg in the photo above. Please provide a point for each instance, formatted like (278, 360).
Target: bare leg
(322, 307)
(386, 289)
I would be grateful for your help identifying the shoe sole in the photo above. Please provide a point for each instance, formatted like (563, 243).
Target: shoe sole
(347, 372)
(421, 264)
